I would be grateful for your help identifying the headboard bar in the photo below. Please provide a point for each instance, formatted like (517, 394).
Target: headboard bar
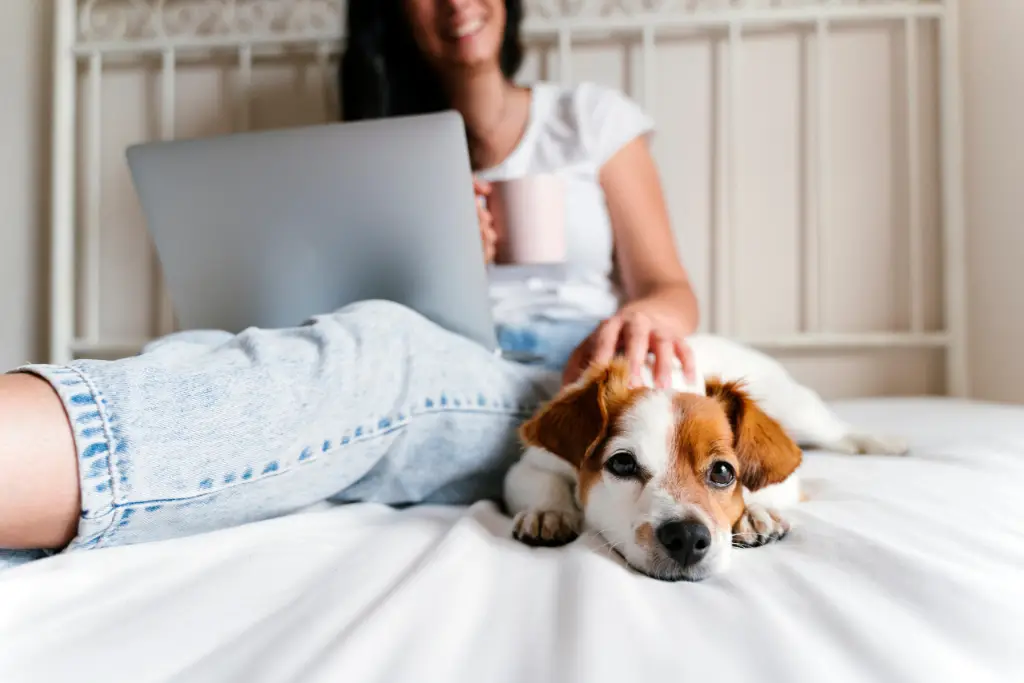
(551, 27)
(818, 198)
(954, 242)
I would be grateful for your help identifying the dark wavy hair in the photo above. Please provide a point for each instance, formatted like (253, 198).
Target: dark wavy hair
(382, 72)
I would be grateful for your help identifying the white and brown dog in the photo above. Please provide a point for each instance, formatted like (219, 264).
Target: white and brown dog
(673, 479)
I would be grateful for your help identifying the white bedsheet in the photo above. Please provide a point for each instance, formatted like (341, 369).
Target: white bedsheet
(899, 569)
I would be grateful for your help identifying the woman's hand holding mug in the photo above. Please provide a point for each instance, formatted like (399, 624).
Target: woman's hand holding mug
(488, 234)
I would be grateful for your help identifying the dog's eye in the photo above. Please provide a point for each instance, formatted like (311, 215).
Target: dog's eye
(623, 464)
(721, 474)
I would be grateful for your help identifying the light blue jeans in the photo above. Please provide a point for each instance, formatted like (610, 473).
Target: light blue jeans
(208, 430)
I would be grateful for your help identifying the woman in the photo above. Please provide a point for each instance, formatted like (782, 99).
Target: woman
(372, 402)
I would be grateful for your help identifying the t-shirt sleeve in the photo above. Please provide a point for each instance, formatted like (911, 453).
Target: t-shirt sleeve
(609, 120)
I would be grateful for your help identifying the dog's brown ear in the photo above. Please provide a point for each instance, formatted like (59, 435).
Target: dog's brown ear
(766, 453)
(578, 417)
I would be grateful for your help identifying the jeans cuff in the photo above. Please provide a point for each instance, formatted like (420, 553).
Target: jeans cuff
(99, 451)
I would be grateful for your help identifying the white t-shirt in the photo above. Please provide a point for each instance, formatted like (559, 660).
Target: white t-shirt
(572, 131)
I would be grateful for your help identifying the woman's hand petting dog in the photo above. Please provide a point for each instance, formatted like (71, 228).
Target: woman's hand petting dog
(636, 331)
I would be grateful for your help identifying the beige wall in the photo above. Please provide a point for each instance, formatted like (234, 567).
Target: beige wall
(24, 75)
(994, 98)
(868, 203)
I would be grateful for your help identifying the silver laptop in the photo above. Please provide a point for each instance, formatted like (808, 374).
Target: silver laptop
(267, 229)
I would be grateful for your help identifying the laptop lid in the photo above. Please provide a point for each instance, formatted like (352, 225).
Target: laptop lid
(267, 229)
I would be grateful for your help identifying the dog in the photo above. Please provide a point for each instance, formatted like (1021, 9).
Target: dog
(673, 479)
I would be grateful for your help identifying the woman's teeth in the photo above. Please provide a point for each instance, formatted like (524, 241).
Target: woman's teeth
(468, 28)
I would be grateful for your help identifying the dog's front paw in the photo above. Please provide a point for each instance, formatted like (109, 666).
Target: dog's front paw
(548, 528)
(758, 525)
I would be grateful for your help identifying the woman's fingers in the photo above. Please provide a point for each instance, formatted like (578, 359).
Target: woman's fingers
(488, 235)
(606, 340)
(637, 333)
(481, 187)
(685, 355)
(664, 354)
(486, 222)
(636, 337)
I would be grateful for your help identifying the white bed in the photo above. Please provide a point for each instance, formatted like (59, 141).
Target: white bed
(900, 569)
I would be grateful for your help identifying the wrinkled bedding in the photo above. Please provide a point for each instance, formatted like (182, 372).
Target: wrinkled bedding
(898, 569)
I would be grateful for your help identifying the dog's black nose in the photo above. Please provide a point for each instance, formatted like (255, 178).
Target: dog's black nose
(687, 541)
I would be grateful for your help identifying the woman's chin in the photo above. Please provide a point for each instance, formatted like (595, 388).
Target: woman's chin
(471, 53)
(471, 62)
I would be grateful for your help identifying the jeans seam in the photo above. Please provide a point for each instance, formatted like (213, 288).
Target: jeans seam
(199, 496)
(401, 420)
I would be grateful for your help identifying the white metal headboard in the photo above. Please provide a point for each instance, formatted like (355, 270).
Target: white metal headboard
(91, 34)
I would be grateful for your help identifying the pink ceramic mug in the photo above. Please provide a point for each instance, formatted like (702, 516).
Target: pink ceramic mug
(529, 218)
